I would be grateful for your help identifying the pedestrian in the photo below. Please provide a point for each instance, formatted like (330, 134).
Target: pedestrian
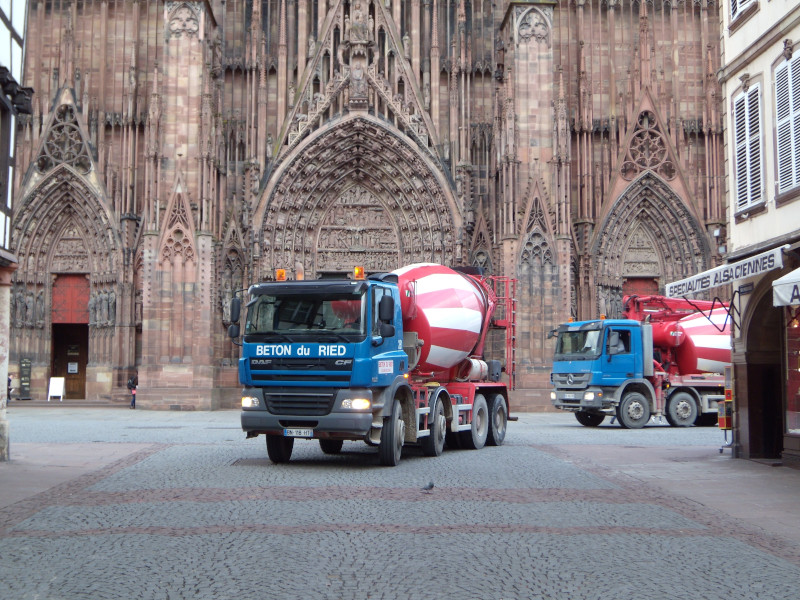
(8, 395)
(133, 383)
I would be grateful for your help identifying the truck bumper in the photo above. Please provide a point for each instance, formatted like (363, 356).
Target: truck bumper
(334, 425)
(339, 423)
(574, 400)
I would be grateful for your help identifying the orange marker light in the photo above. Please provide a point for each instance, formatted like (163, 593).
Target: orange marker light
(358, 273)
(280, 274)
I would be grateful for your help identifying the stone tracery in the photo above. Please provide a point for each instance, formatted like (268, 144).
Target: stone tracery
(64, 144)
(381, 209)
(674, 240)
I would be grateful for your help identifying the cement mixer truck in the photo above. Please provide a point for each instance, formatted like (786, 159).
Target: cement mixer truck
(390, 359)
(665, 357)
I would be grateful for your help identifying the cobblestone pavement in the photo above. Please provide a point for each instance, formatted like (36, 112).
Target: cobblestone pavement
(111, 503)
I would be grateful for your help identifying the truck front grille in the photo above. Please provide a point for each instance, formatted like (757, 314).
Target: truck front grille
(575, 381)
(296, 370)
(299, 402)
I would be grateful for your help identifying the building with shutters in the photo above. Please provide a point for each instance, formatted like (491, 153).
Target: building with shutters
(14, 100)
(760, 78)
(180, 150)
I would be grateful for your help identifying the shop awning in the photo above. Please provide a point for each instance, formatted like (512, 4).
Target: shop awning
(749, 267)
(786, 289)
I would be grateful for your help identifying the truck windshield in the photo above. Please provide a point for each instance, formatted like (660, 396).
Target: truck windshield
(291, 317)
(578, 345)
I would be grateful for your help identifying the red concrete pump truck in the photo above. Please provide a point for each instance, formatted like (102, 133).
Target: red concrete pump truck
(666, 356)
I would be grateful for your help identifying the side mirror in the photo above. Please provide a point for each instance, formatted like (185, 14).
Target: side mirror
(236, 310)
(612, 344)
(387, 330)
(552, 333)
(386, 309)
(233, 331)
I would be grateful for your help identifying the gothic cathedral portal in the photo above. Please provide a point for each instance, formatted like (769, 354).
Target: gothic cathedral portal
(180, 150)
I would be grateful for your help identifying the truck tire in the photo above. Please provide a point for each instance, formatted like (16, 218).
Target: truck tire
(475, 438)
(633, 411)
(279, 448)
(331, 446)
(498, 420)
(392, 436)
(681, 410)
(434, 443)
(588, 419)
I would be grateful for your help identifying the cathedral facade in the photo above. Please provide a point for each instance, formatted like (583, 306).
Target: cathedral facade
(179, 151)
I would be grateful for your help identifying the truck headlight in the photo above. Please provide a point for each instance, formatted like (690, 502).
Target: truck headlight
(356, 403)
(552, 395)
(588, 396)
(250, 402)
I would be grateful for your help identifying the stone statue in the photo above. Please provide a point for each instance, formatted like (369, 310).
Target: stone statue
(102, 312)
(29, 316)
(112, 307)
(92, 308)
(40, 309)
(19, 300)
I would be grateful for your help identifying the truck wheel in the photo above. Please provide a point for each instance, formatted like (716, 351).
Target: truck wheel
(434, 443)
(331, 446)
(681, 410)
(279, 448)
(498, 421)
(475, 438)
(634, 411)
(588, 419)
(392, 436)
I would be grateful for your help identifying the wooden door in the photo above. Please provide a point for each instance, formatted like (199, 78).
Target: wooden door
(70, 318)
(70, 353)
(640, 286)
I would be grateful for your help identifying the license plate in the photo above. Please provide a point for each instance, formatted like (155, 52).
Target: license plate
(304, 433)
(570, 396)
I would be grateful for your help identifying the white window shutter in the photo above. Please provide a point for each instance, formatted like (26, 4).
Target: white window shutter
(787, 113)
(747, 148)
(754, 149)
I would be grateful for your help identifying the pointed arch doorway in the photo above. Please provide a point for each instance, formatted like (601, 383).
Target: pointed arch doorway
(70, 333)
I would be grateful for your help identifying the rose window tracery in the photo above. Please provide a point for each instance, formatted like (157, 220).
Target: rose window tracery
(536, 250)
(177, 244)
(648, 150)
(64, 144)
(183, 21)
(533, 25)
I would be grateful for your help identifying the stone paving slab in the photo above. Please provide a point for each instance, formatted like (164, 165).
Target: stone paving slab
(184, 507)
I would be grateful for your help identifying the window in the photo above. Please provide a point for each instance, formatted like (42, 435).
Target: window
(378, 293)
(747, 146)
(787, 111)
(6, 150)
(620, 343)
(738, 6)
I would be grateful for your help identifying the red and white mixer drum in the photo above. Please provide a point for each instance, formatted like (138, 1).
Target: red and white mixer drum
(445, 308)
(705, 344)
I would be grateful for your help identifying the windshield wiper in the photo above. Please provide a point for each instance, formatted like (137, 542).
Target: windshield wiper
(336, 335)
(282, 336)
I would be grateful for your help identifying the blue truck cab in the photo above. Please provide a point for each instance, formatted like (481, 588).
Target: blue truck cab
(320, 359)
(597, 362)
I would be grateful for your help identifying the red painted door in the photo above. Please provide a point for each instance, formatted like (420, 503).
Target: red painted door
(71, 299)
(640, 286)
